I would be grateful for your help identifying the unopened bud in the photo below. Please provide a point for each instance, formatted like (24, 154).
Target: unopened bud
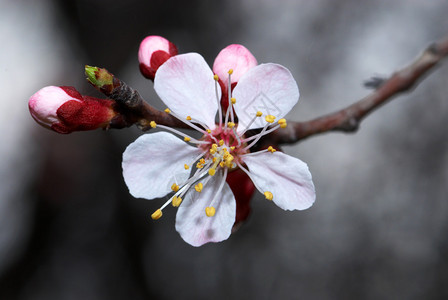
(154, 51)
(100, 78)
(64, 110)
(235, 60)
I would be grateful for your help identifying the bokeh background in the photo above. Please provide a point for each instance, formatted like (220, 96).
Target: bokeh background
(378, 230)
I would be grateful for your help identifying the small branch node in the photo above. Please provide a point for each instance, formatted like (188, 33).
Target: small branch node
(375, 82)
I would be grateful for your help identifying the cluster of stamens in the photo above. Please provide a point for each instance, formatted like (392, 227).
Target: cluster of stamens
(222, 150)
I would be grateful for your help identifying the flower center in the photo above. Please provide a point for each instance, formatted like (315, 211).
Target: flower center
(223, 146)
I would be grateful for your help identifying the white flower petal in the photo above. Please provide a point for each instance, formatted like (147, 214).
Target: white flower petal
(154, 162)
(269, 88)
(185, 84)
(286, 177)
(191, 221)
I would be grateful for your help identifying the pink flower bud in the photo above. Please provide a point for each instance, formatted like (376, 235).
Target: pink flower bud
(64, 110)
(154, 51)
(235, 57)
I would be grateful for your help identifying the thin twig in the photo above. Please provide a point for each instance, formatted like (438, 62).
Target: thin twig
(130, 105)
(348, 119)
(134, 110)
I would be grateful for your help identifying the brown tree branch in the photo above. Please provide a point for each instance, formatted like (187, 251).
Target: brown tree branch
(134, 110)
(130, 105)
(348, 119)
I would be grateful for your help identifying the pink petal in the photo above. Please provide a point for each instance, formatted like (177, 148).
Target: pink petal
(286, 177)
(269, 88)
(191, 221)
(235, 57)
(185, 84)
(154, 162)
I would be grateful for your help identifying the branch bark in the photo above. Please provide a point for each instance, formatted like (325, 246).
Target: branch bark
(130, 105)
(349, 118)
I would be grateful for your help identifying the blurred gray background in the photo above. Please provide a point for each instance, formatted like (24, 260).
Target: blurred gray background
(378, 230)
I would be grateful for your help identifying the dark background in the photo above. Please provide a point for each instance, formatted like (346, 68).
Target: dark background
(378, 230)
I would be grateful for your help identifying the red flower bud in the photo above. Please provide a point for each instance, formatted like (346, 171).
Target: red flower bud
(154, 51)
(243, 189)
(64, 110)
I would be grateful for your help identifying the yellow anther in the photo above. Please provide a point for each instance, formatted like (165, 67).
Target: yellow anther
(152, 124)
(176, 201)
(211, 172)
(230, 124)
(214, 149)
(167, 110)
(209, 131)
(268, 195)
(270, 118)
(232, 148)
(214, 159)
(221, 164)
(221, 142)
(233, 100)
(282, 123)
(230, 71)
(157, 214)
(186, 167)
(259, 113)
(198, 187)
(271, 149)
(188, 118)
(210, 211)
(215, 77)
(175, 187)
(187, 139)
(200, 164)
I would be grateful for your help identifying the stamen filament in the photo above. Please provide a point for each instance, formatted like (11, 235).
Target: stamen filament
(191, 124)
(229, 91)
(221, 185)
(166, 203)
(257, 137)
(254, 153)
(186, 186)
(257, 115)
(237, 136)
(250, 176)
(200, 123)
(175, 131)
(219, 103)
(272, 129)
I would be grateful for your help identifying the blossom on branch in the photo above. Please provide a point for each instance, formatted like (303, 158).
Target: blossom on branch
(194, 170)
